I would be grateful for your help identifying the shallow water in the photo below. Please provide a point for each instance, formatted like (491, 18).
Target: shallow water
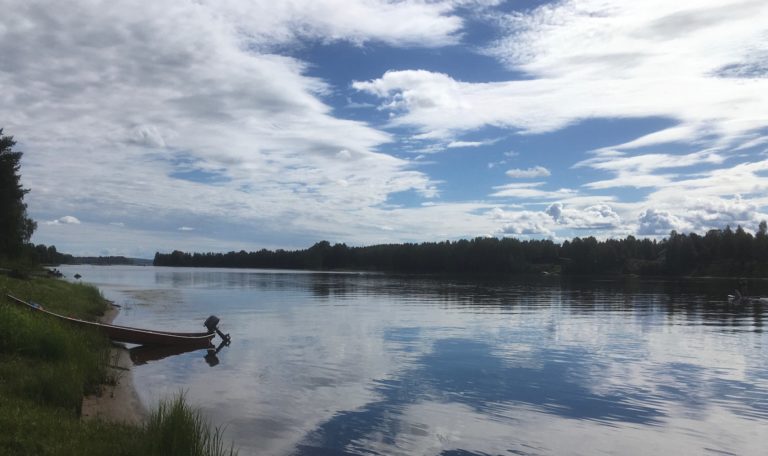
(378, 364)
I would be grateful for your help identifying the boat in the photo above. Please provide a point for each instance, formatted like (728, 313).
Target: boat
(137, 336)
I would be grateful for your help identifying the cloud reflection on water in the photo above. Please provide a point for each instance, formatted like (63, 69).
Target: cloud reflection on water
(329, 363)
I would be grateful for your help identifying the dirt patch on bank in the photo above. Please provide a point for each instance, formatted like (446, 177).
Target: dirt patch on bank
(117, 401)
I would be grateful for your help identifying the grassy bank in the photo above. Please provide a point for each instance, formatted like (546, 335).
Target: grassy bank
(47, 366)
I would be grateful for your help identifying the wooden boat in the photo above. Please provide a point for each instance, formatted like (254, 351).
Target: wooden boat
(131, 335)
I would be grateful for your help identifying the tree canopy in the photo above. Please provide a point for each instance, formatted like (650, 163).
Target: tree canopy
(15, 227)
(720, 252)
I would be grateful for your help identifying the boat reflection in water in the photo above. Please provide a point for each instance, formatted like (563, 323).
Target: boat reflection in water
(143, 354)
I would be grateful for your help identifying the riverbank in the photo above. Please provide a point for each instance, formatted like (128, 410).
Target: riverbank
(119, 400)
(48, 366)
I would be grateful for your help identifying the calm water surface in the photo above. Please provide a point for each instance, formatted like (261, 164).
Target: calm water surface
(374, 364)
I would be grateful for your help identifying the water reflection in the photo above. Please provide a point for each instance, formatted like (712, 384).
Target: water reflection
(376, 364)
(467, 372)
(144, 354)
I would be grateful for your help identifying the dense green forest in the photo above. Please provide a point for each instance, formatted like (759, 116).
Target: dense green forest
(724, 252)
(15, 227)
(48, 255)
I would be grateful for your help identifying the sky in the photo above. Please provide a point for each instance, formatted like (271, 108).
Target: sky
(246, 124)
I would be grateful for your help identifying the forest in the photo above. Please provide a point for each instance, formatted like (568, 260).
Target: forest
(725, 252)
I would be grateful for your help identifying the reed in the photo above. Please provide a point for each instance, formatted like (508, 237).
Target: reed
(46, 366)
(175, 428)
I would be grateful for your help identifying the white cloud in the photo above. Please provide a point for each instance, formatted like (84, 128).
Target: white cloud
(344, 154)
(440, 107)
(699, 64)
(409, 22)
(599, 216)
(590, 59)
(460, 144)
(592, 38)
(653, 222)
(509, 154)
(642, 170)
(184, 111)
(186, 228)
(524, 223)
(536, 171)
(66, 220)
(531, 190)
(144, 101)
(618, 161)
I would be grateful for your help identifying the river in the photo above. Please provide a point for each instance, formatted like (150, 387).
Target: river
(355, 363)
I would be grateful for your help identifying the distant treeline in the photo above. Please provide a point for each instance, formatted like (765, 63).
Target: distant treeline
(43, 254)
(102, 260)
(718, 252)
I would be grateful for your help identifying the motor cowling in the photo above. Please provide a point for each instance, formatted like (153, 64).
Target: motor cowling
(212, 324)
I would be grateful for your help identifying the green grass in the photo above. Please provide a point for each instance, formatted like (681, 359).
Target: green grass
(47, 362)
(30, 428)
(175, 428)
(71, 299)
(46, 366)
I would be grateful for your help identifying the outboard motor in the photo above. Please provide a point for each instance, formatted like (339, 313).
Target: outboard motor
(210, 356)
(212, 324)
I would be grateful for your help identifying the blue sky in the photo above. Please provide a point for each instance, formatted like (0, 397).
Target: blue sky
(221, 125)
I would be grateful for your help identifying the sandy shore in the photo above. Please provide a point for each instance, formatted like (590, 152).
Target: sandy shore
(119, 402)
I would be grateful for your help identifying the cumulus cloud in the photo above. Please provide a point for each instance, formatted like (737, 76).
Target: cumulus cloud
(523, 223)
(719, 212)
(654, 222)
(728, 196)
(536, 171)
(701, 214)
(599, 216)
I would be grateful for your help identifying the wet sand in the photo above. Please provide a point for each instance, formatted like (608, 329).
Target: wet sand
(118, 402)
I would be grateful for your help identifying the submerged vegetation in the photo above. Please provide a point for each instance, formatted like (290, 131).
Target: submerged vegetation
(724, 252)
(47, 366)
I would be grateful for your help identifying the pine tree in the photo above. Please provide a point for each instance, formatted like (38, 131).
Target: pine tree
(15, 227)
